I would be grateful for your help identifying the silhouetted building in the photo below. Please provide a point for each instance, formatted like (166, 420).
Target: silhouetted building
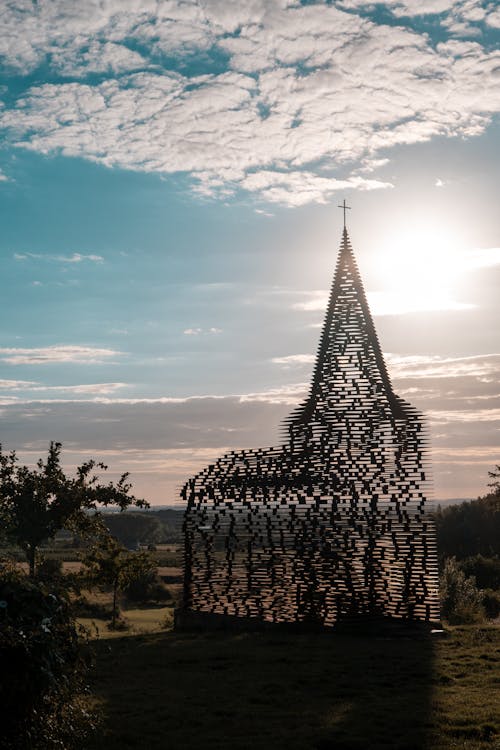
(331, 524)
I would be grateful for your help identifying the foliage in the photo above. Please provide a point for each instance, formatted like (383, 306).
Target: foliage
(50, 570)
(486, 570)
(37, 503)
(491, 603)
(109, 563)
(495, 485)
(43, 668)
(460, 597)
(82, 606)
(470, 528)
(171, 521)
(147, 587)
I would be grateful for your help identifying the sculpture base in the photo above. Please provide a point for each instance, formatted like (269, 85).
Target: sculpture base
(187, 620)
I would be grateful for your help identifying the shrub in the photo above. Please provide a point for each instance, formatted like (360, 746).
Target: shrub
(82, 607)
(168, 620)
(486, 570)
(460, 597)
(491, 603)
(43, 668)
(147, 588)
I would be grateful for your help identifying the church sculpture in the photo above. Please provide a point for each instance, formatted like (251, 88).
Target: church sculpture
(331, 525)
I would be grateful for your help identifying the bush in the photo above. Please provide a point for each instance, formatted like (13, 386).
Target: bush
(460, 598)
(147, 588)
(491, 603)
(43, 668)
(82, 607)
(486, 570)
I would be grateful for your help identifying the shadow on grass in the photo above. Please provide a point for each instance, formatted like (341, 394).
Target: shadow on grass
(323, 692)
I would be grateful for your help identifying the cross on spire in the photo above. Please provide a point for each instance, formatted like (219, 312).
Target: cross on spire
(345, 207)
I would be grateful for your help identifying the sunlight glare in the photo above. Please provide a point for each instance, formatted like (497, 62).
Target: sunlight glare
(417, 271)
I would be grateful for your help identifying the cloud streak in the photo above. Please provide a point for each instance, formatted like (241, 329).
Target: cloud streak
(202, 331)
(435, 366)
(74, 258)
(60, 354)
(294, 359)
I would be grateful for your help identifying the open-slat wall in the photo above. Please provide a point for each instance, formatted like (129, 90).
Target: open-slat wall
(331, 524)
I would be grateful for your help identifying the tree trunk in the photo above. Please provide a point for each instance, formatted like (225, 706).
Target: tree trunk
(113, 619)
(31, 554)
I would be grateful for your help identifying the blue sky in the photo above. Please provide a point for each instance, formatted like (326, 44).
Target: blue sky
(170, 174)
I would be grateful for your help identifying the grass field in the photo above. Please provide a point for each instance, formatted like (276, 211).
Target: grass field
(299, 692)
(139, 620)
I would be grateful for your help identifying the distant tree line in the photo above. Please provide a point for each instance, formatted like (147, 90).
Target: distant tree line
(471, 528)
(152, 527)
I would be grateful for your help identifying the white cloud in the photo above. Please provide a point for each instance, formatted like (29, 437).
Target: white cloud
(442, 416)
(435, 366)
(96, 57)
(288, 395)
(294, 359)
(202, 331)
(309, 88)
(298, 187)
(74, 258)
(16, 385)
(493, 18)
(317, 302)
(56, 354)
(91, 389)
(405, 7)
(31, 387)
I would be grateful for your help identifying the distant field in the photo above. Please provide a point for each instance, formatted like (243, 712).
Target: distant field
(139, 620)
(302, 692)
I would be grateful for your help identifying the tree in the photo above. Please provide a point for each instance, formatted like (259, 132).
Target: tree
(495, 475)
(37, 503)
(109, 563)
(461, 601)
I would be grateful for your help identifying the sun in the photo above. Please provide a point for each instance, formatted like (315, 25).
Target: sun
(417, 270)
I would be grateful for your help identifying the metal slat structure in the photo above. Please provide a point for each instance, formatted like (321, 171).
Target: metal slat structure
(331, 525)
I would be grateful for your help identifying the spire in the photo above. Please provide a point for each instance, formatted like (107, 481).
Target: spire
(349, 352)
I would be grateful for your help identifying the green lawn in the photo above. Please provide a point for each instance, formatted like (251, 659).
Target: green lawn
(299, 692)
